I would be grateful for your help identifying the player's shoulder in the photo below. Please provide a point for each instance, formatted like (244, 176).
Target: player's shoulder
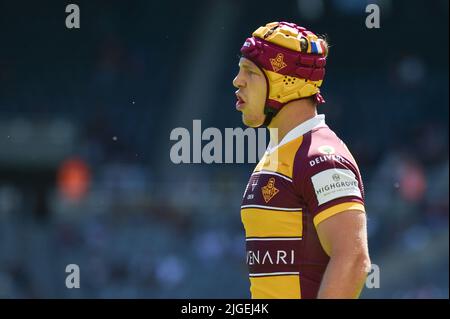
(326, 176)
(320, 149)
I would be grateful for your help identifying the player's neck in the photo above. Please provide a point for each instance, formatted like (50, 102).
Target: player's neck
(290, 116)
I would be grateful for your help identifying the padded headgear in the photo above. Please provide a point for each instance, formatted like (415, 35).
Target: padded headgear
(292, 60)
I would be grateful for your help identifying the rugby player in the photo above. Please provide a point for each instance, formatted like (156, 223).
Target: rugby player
(303, 208)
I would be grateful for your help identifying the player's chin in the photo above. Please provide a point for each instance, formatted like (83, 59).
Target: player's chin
(252, 121)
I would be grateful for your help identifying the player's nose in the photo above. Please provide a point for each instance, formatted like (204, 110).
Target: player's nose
(238, 81)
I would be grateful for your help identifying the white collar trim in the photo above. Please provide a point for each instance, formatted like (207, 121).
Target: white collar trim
(302, 129)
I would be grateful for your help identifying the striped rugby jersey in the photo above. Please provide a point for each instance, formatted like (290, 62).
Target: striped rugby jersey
(308, 177)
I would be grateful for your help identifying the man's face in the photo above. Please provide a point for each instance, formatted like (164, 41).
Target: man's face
(251, 94)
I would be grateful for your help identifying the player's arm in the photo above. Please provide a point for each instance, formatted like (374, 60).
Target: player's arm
(344, 238)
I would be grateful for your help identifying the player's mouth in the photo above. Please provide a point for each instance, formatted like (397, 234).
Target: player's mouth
(240, 102)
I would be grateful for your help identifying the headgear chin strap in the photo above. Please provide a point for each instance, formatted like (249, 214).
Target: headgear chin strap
(292, 60)
(269, 116)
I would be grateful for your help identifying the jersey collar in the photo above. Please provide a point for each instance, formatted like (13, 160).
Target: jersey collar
(300, 130)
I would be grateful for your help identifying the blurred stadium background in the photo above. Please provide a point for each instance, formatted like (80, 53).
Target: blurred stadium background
(85, 118)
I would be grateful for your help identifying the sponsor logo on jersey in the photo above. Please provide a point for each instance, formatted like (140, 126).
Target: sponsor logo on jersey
(278, 257)
(335, 183)
(254, 185)
(326, 149)
(326, 158)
